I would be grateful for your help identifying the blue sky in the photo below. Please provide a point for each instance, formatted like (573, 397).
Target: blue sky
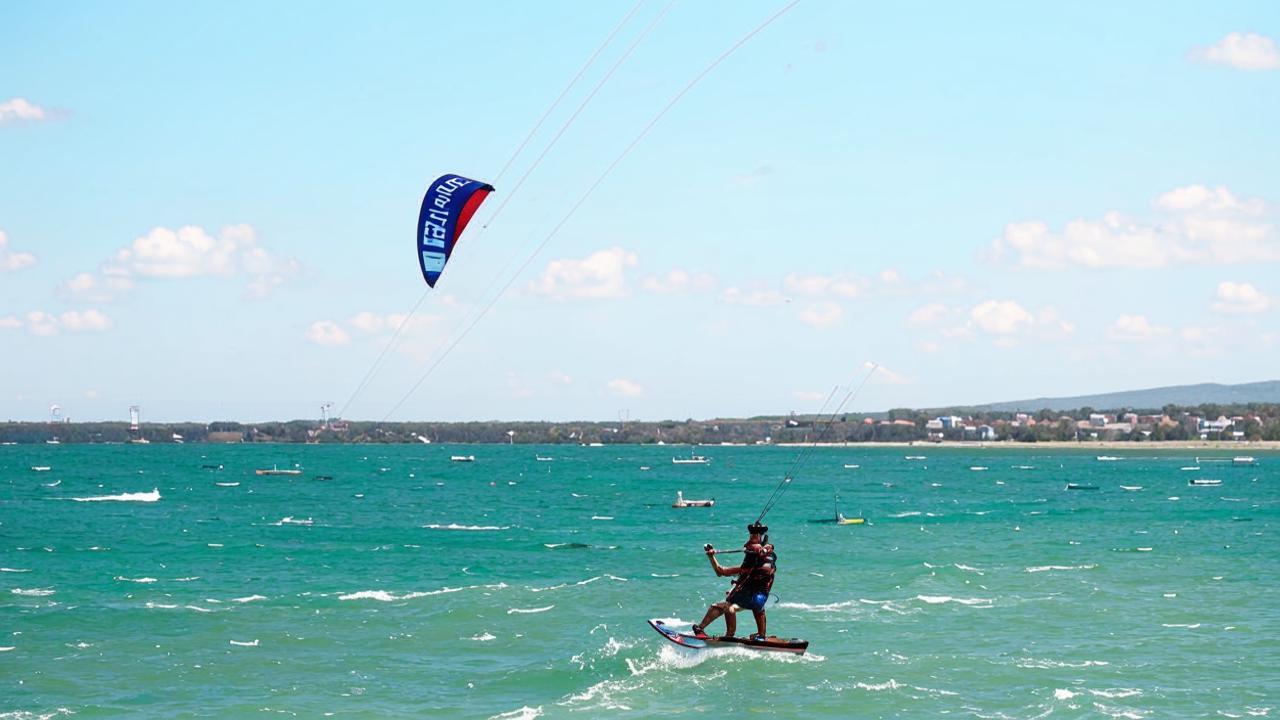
(207, 210)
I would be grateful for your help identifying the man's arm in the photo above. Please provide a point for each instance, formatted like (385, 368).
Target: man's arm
(715, 565)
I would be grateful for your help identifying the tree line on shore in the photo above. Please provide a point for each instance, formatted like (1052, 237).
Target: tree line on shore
(1257, 421)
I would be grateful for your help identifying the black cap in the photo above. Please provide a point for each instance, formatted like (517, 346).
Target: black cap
(757, 528)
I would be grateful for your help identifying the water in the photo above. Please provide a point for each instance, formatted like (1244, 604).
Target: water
(412, 586)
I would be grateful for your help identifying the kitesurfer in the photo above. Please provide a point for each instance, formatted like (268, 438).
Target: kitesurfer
(751, 590)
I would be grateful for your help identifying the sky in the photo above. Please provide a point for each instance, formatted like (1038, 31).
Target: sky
(207, 210)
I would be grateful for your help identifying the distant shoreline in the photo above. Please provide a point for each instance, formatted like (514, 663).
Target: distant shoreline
(1066, 444)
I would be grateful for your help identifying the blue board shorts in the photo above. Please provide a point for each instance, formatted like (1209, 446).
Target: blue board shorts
(750, 601)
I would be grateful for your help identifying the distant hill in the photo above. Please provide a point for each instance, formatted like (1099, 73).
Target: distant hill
(1151, 399)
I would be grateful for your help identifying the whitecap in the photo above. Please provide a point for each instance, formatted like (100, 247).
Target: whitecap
(13, 570)
(1189, 626)
(909, 513)
(528, 611)
(939, 599)
(251, 643)
(384, 596)
(455, 526)
(153, 496)
(122, 578)
(227, 484)
(1116, 692)
(33, 592)
(664, 575)
(290, 520)
(248, 599)
(1046, 568)
(1063, 694)
(524, 713)
(601, 517)
(484, 637)
(7, 648)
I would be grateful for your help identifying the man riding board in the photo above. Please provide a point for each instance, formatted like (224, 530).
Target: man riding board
(751, 589)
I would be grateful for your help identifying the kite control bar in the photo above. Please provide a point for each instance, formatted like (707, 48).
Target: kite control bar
(713, 551)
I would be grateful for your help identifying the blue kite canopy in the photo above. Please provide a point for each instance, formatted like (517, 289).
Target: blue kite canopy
(446, 209)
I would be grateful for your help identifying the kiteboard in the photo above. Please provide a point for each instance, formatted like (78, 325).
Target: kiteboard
(695, 642)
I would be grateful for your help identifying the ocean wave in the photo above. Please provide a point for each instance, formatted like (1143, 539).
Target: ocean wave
(7, 648)
(455, 526)
(249, 599)
(1189, 626)
(385, 596)
(1046, 664)
(968, 568)
(601, 517)
(1116, 692)
(250, 643)
(909, 513)
(290, 520)
(153, 496)
(485, 637)
(13, 570)
(168, 606)
(528, 611)
(227, 484)
(524, 713)
(1117, 712)
(940, 599)
(33, 592)
(146, 580)
(1046, 568)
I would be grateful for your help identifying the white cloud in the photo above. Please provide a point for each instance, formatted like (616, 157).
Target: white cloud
(821, 314)
(754, 297)
(1242, 51)
(600, 275)
(928, 346)
(889, 276)
(928, 314)
(87, 321)
(1203, 341)
(1135, 328)
(841, 285)
(885, 375)
(10, 260)
(45, 324)
(1201, 226)
(327, 333)
(188, 252)
(16, 110)
(560, 378)
(1001, 317)
(625, 388)
(678, 282)
(367, 322)
(1240, 299)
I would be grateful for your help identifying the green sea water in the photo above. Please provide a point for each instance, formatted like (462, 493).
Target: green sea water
(134, 582)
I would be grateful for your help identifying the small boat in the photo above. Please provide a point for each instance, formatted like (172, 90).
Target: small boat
(978, 468)
(462, 458)
(842, 520)
(682, 503)
(644, 467)
(40, 468)
(178, 438)
(1078, 486)
(1131, 488)
(1205, 482)
(1244, 460)
(54, 441)
(276, 471)
(691, 460)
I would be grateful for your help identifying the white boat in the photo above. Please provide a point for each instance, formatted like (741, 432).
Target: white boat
(273, 470)
(978, 468)
(178, 438)
(462, 458)
(1204, 482)
(54, 441)
(691, 460)
(423, 439)
(1131, 488)
(1244, 460)
(682, 503)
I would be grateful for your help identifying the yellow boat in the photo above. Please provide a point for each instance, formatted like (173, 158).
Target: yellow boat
(842, 520)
